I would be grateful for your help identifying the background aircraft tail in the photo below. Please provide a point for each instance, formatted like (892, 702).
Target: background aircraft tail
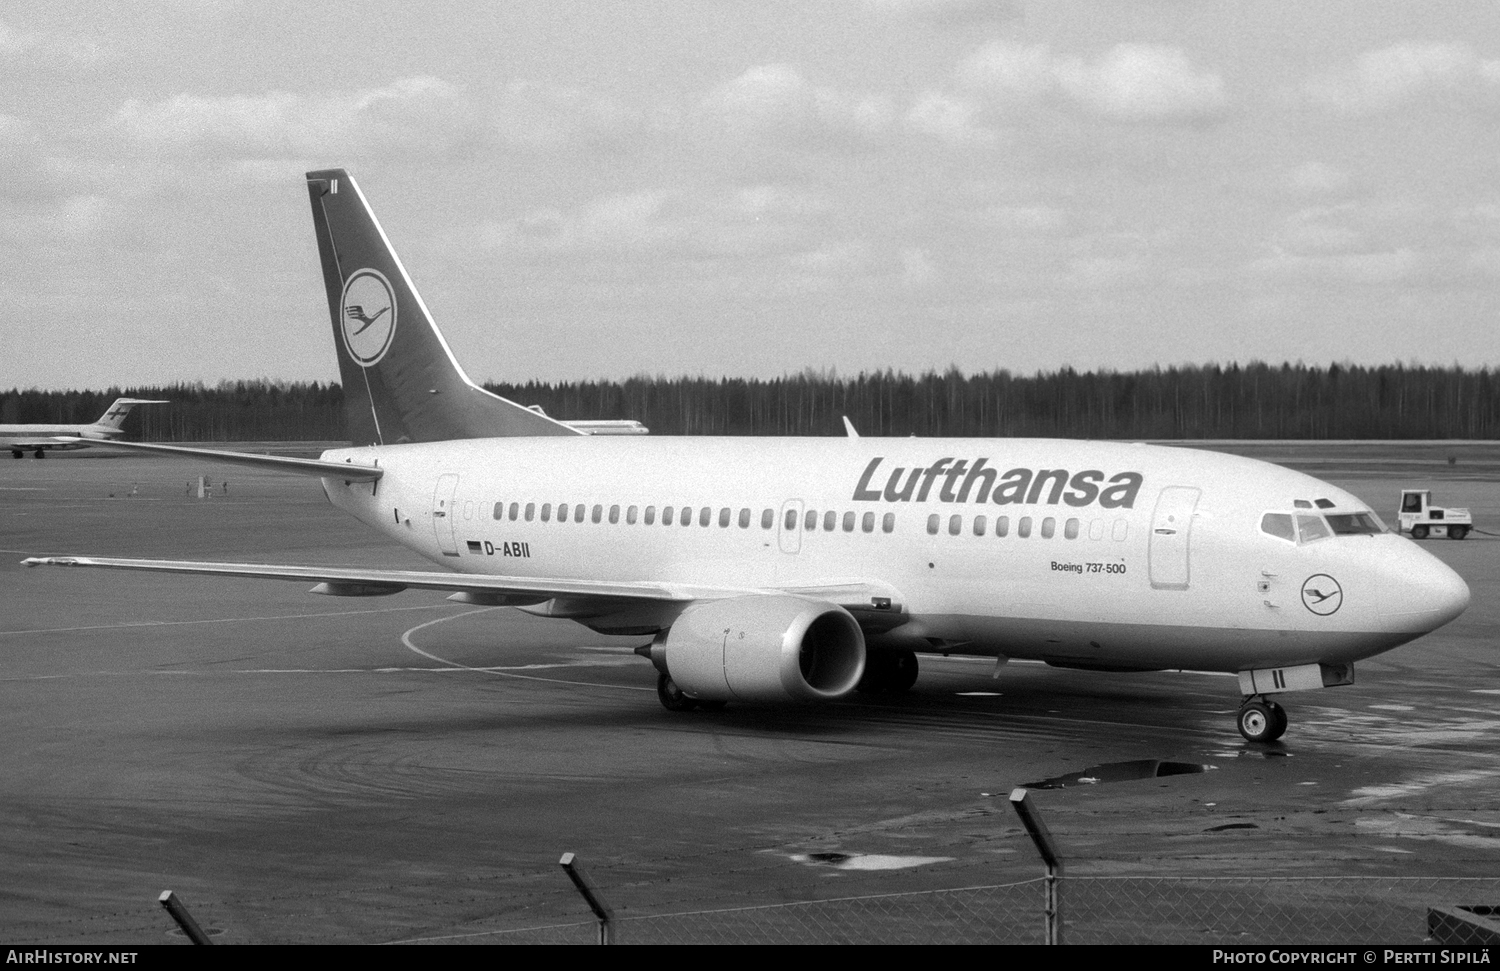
(401, 381)
(114, 415)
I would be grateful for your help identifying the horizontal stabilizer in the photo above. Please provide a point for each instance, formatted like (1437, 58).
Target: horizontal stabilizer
(278, 463)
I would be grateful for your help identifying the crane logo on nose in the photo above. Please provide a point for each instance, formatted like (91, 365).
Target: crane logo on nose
(1322, 594)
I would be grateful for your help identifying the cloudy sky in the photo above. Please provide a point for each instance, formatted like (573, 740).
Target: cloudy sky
(601, 188)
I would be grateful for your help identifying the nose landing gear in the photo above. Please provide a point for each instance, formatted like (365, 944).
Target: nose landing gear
(1261, 720)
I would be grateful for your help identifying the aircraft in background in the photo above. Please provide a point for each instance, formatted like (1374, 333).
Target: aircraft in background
(779, 569)
(40, 439)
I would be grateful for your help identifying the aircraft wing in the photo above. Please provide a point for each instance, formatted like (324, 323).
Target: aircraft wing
(44, 441)
(875, 605)
(368, 582)
(277, 463)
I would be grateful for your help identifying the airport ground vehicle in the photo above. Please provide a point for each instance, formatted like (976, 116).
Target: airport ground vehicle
(1419, 517)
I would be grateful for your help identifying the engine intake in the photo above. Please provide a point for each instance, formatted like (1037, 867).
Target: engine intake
(763, 648)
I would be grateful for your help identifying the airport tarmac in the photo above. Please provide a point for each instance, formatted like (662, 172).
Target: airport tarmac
(302, 768)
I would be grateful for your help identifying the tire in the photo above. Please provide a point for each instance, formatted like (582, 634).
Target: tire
(1261, 721)
(671, 696)
(1419, 532)
(1457, 532)
(903, 672)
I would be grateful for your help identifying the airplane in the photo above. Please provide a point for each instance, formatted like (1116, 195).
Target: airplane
(804, 569)
(40, 439)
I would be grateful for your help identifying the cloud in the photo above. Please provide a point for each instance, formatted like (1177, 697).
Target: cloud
(950, 13)
(38, 47)
(1390, 77)
(747, 221)
(1318, 178)
(950, 119)
(417, 112)
(550, 116)
(1130, 83)
(775, 100)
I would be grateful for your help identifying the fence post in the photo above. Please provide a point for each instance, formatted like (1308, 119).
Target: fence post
(575, 873)
(180, 914)
(1020, 801)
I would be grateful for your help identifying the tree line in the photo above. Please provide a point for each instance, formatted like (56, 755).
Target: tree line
(1231, 402)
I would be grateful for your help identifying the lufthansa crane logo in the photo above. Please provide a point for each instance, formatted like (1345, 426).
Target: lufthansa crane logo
(1322, 594)
(369, 316)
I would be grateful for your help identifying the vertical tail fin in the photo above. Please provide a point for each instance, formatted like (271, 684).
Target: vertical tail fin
(401, 381)
(114, 416)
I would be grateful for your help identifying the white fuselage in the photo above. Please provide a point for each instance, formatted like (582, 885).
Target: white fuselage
(1112, 554)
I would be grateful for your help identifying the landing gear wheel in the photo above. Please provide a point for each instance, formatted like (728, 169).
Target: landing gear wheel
(671, 696)
(903, 672)
(17, 455)
(1457, 532)
(888, 673)
(41, 453)
(1419, 532)
(1261, 721)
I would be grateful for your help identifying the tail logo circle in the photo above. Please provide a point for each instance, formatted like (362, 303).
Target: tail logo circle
(368, 316)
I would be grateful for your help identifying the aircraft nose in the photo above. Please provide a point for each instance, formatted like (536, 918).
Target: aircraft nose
(1423, 592)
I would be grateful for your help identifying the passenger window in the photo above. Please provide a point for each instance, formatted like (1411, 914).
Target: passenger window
(1279, 525)
(562, 512)
(767, 518)
(745, 518)
(932, 524)
(980, 522)
(723, 517)
(1121, 530)
(828, 521)
(499, 510)
(888, 524)
(1049, 526)
(1070, 529)
(705, 516)
(599, 513)
(1312, 528)
(546, 511)
(515, 510)
(1023, 528)
(867, 523)
(955, 525)
(791, 520)
(810, 521)
(614, 515)
(848, 522)
(530, 511)
(650, 515)
(469, 509)
(630, 516)
(666, 515)
(1002, 525)
(1096, 529)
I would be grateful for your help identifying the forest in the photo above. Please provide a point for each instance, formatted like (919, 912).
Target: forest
(1254, 401)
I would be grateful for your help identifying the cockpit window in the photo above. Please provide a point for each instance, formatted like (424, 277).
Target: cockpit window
(1311, 528)
(1325, 503)
(1278, 524)
(1354, 524)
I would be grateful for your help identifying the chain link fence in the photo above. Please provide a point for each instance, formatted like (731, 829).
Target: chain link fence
(1346, 910)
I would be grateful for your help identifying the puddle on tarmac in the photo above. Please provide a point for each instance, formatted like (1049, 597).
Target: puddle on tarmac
(1121, 772)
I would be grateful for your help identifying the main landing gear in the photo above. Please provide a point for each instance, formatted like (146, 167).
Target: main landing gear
(1261, 720)
(888, 673)
(673, 699)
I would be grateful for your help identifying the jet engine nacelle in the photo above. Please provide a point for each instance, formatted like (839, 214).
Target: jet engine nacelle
(763, 648)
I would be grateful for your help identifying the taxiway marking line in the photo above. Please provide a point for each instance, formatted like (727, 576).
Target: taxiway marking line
(501, 671)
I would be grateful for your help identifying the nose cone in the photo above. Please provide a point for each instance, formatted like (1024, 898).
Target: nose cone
(1420, 592)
